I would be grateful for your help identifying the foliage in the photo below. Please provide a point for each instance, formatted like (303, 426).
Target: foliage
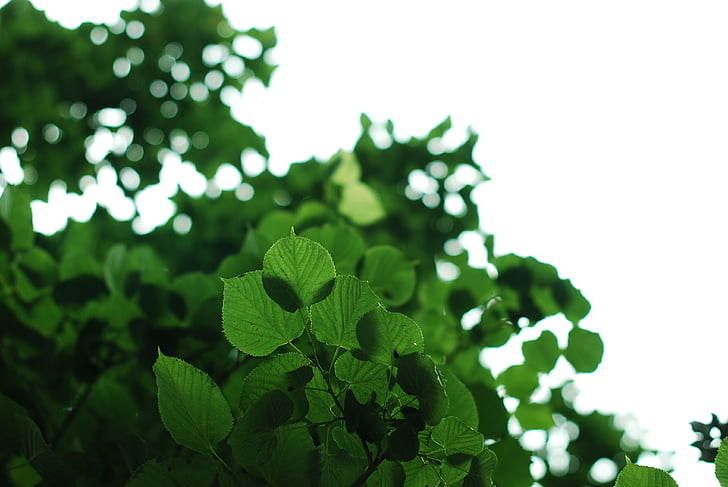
(350, 361)
(639, 476)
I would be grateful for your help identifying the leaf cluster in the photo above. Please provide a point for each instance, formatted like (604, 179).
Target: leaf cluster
(349, 356)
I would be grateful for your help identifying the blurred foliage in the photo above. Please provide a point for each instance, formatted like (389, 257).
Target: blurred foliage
(85, 310)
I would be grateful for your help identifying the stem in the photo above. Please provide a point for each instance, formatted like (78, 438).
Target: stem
(72, 414)
(222, 462)
(368, 472)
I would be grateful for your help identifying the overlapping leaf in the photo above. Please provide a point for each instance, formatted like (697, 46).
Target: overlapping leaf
(297, 272)
(252, 321)
(334, 319)
(384, 336)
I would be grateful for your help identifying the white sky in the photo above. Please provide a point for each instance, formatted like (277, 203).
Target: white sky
(604, 128)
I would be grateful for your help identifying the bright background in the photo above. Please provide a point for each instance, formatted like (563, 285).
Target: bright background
(604, 128)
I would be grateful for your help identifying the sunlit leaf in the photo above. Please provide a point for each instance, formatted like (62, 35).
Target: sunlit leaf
(384, 336)
(192, 406)
(297, 272)
(252, 321)
(721, 464)
(363, 377)
(454, 436)
(638, 476)
(334, 319)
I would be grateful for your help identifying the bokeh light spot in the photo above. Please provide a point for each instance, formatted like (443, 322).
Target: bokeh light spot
(227, 177)
(135, 29)
(214, 79)
(247, 46)
(121, 67)
(168, 109)
(99, 35)
(182, 224)
(20, 137)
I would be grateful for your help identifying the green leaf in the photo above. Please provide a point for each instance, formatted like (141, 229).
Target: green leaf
(196, 471)
(721, 464)
(542, 353)
(419, 472)
(192, 406)
(520, 381)
(638, 476)
(534, 416)
(389, 273)
(320, 403)
(455, 468)
(418, 375)
(334, 319)
(363, 377)
(388, 474)
(252, 321)
(481, 470)
(462, 404)
(297, 272)
(343, 243)
(288, 372)
(404, 442)
(264, 443)
(384, 336)
(252, 437)
(338, 467)
(585, 350)
(454, 436)
(360, 204)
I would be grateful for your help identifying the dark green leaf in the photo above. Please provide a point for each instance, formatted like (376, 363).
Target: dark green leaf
(287, 372)
(481, 470)
(418, 375)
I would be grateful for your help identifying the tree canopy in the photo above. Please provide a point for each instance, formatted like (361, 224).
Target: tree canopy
(333, 351)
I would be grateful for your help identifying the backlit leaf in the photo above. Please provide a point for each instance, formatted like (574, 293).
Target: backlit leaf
(384, 336)
(252, 321)
(454, 436)
(364, 377)
(721, 464)
(192, 406)
(297, 272)
(334, 319)
(639, 476)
